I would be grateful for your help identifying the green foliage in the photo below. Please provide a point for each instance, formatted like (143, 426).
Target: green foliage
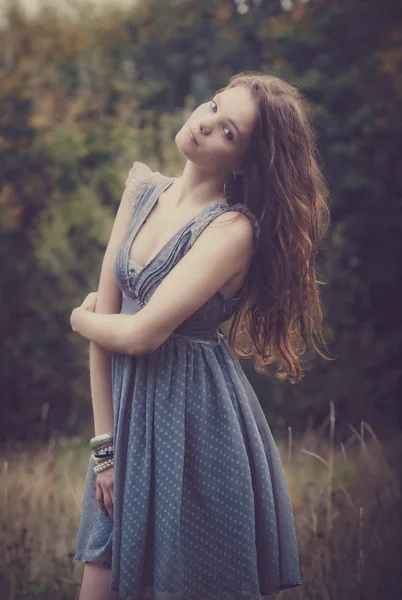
(82, 98)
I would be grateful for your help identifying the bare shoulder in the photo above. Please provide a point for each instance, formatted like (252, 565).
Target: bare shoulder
(241, 223)
(235, 226)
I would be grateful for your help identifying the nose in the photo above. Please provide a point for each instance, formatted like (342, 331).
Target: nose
(205, 128)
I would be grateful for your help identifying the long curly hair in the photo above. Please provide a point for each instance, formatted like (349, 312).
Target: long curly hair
(283, 186)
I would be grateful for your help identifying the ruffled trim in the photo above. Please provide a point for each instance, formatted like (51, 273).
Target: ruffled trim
(137, 179)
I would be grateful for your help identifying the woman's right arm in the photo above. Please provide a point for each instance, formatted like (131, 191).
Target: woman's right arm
(108, 302)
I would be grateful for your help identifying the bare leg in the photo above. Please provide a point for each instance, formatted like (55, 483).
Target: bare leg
(95, 583)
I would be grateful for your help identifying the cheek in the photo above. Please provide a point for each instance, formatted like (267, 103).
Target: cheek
(224, 148)
(217, 146)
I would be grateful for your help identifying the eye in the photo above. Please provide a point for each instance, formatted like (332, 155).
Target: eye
(227, 129)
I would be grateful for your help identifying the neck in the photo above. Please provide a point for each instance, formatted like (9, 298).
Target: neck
(199, 187)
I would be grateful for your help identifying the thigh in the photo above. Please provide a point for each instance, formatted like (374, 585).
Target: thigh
(95, 583)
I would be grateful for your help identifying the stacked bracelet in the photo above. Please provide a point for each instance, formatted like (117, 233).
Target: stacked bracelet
(102, 453)
(103, 466)
(101, 440)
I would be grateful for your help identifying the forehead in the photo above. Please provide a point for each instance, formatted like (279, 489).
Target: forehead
(239, 105)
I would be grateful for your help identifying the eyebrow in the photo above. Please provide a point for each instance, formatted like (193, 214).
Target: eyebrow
(231, 121)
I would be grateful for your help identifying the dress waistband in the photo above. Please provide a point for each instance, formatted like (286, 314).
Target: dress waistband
(184, 333)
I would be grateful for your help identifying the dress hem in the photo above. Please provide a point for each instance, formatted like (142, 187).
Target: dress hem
(146, 596)
(93, 559)
(243, 595)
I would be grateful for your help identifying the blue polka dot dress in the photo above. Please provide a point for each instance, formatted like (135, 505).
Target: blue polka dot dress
(202, 510)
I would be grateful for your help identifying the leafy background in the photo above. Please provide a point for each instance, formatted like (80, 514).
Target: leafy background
(82, 97)
(83, 94)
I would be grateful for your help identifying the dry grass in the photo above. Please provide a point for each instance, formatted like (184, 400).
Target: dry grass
(346, 499)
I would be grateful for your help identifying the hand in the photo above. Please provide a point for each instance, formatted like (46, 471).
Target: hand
(89, 304)
(105, 491)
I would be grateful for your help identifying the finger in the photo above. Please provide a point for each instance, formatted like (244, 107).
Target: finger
(91, 297)
(100, 498)
(108, 502)
(90, 302)
(100, 501)
(90, 306)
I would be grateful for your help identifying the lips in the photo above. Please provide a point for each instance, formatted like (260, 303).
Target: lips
(193, 136)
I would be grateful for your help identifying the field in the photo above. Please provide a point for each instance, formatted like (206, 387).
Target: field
(345, 496)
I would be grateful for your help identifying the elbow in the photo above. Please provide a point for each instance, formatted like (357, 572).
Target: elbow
(149, 344)
(143, 337)
(134, 340)
(138, 345)
(135, 348)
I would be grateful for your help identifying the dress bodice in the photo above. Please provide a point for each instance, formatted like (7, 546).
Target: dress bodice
(137, 284)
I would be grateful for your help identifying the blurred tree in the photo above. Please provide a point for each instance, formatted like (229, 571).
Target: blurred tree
(83, 97)
(345, 58)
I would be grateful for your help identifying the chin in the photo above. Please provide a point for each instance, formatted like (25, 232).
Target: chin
(185, 147)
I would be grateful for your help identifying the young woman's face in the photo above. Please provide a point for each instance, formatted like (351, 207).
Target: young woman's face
(222, 129)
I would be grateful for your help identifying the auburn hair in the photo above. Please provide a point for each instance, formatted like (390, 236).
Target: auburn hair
(281, 310)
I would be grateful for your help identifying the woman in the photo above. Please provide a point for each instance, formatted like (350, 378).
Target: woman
(189, 500)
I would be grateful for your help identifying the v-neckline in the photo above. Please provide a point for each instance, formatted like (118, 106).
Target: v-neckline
(155, 195)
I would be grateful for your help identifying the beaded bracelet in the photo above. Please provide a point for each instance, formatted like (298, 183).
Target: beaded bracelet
(103, 466)
(107, 451)
(100, 461)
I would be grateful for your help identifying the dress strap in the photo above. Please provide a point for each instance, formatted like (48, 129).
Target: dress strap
(136, 183)
(218, 208)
